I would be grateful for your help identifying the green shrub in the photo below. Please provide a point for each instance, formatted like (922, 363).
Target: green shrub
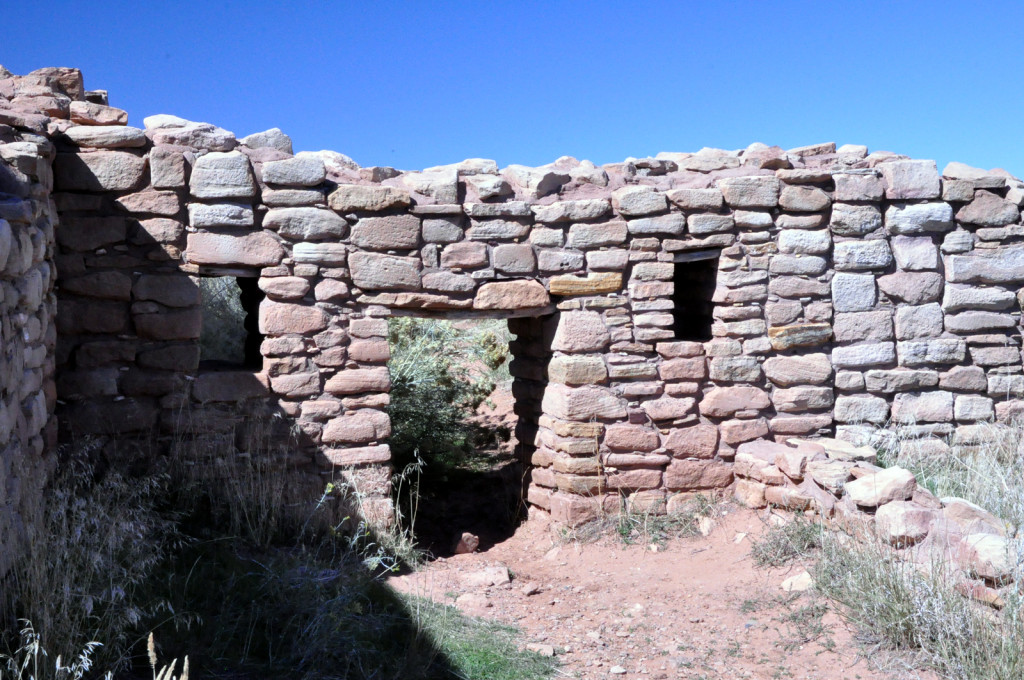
(440, 374)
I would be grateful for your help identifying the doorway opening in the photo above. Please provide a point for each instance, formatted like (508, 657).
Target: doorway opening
(695, 277)
(230, 337)
(458, 425)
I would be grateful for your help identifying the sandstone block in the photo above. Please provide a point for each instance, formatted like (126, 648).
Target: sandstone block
(88, 113)
(636, 201)
(305, 169)
(919, 218)
(106, 136)
(359, 455)
(394, 232)
(355, 197)
(673, 224)
(98, 171)
(229, 386)
(923, 407)
(853, 292)
(374, 271)
(885, 486)
(988, 210)
(859, 255)
(939, 351)
(854, 220)
(978, 322)
(804, 242)
(257, 249)
(359, 380)
(750, 192)
(799, 335)
(900, 380)
(697, 474)
(722, 402)
(988, 557)
(809, 369)
(920, 321)
(582, 403)
(361, 427)
(803, 199)
(514, 258)
(858, 187)
(864, 355)
(857, 326)
(999, 266)
(173, 290)
(222, 175)
(306, 224)
(285, 287)
(177, 324)
(697, 441)
(571, 211)
(597, 235)
(910, 179)
(593, 283)
(625, 437)
(577, 370)
(750, 493)
(861, 410)
(281, 318)
(668, 408)
(912, 288)
(701, 224)
(202, 215)
(696, 199)
(511, 295)
(959, 297)
(915, 253)
(800, 399)
(802, 265)
(903, 523)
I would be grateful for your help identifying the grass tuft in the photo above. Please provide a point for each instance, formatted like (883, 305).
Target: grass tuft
(791, 541)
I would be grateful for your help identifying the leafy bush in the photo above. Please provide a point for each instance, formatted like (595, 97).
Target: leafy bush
(440, 374)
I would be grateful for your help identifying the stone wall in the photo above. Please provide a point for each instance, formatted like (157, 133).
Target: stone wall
(846, 290)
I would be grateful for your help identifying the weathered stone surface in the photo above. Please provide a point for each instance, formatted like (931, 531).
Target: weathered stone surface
(957, 297)
(809, 369)
(915, 253)
(280, 318)
(274, 138)
(327, 254)
(800, 399)
(697, 474)
(511, 295)
(735, 369)
(891, 484)
(361, 427)
(257, 249)
(854, 220)
(355, 197)
(98, 171)
(582, 403)
(88, 113)
(804, 242)
(969, 408)
(861, 410)
(919, 218)
(285, 287)
(592, 284)
(923, 407)
(859, 255)
(912, 288)
(203, 215)
(865, 355)
(853, 292)
(978, 322)
(903, 523)
(572, 211)
(626, 437)
(635, 201)
(919, 321)
(910, 179)
(597, 235)
(535, 182)
(696, 199)
(857, 187)
(988, 210)
(803, 199)
(580, 332)
(358, 380)
(165, 129)
(577, 370)
(83, 233)
(939, 351)
(375, 271)
(106, 136)
(514, 258)
(394, 232)
(1001, 265)
(306, 224)
(899, 380)
(799, 335)
(988, 557)
(222, 175)
(723, 402)
(857, 326)
(750, 192)
(229, 386)
(673, 224)
(306, 169)
(698, 441)
(702, 224)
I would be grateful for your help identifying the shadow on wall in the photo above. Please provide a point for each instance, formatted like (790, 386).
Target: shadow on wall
(269, 573)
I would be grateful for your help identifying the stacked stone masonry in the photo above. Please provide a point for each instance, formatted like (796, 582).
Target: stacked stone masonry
(849, 290)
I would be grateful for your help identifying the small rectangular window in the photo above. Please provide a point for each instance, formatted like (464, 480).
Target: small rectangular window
(696, 274)
(230, 336)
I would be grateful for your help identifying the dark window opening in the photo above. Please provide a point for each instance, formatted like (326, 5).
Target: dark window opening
(230, 336)
(695, 281)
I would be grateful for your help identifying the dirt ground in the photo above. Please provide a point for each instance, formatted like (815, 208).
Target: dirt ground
(689, 608)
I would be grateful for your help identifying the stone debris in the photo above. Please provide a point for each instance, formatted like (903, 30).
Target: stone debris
(798, 583)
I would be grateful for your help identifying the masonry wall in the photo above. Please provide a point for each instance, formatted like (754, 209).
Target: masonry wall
(851, 290)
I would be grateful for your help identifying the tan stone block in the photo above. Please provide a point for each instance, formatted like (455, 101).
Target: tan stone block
(697, 474)
(357, 380)
(509, 295)
(591, 284)
(362, 455)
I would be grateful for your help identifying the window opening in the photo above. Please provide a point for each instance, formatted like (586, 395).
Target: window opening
(230, 336)
(696, 274)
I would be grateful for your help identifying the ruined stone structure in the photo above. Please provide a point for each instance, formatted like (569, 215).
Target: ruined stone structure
(667, 309)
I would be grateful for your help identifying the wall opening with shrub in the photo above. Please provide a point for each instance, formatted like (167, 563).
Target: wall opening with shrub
(230, 336)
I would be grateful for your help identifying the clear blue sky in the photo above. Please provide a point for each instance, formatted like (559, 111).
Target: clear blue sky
(413, 84)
